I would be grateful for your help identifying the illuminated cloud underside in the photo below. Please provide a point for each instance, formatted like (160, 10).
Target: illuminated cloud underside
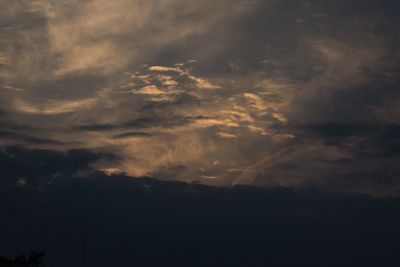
(176, 90)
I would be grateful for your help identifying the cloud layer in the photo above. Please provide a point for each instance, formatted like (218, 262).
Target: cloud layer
(224, 92)
(57, 203)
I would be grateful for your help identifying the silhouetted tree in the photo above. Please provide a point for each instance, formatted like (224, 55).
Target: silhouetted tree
(5, 261)
(35, 260)
(20, 261)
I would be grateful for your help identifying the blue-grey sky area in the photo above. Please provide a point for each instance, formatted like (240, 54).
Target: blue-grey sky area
(200, 132)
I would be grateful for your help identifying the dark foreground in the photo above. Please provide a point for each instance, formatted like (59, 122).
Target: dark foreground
(142, 222)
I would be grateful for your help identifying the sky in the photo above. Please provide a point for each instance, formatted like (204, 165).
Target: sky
(281, 93)
(210, 95)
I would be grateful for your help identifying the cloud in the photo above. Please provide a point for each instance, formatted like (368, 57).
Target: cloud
(37, 167)
(204, 84)
(170, 83)
(132, 135)
(98, 37)
(268, 128)
(53, 107)
(167, 81)
(166, 69)
(88, 36)
(3, 60)
(151, 90)
(14, 137)
(226, 135)
(74, 208)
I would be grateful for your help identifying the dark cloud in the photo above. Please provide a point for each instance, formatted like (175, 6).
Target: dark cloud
(149, 222)
(132, 134)
(39, 166)
(351, 157)
(289, 109)
(15, 137)
(221, 87)
(366, 141)
(342, 130)
(145, 122)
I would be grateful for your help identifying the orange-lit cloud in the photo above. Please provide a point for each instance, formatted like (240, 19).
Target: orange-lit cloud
(202, 90)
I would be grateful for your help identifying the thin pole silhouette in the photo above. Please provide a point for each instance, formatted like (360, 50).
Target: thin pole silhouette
(84, 252)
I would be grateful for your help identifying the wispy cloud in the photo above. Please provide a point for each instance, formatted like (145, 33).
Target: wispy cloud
(174, 87)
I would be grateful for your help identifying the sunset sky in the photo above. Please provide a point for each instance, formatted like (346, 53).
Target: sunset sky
(301, 95)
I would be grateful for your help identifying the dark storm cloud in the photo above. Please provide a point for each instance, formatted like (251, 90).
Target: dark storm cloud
(266, 92)
(332, 132)
(152, 223)
(356, 157)
(22, 166)
(301, 97)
